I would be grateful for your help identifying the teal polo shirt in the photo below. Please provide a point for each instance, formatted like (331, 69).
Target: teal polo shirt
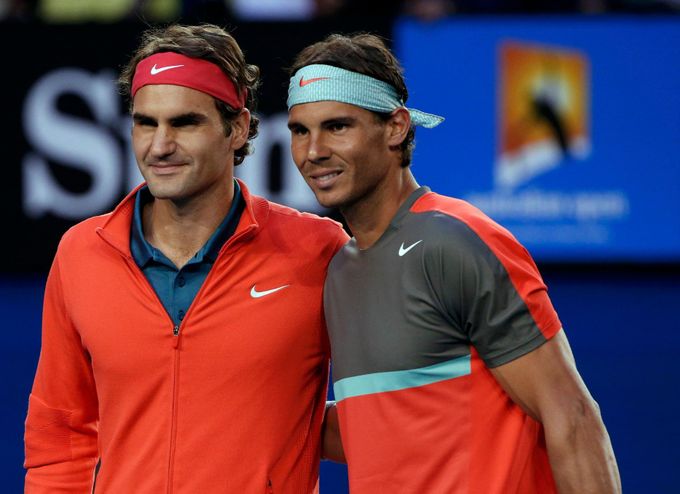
(177, 288)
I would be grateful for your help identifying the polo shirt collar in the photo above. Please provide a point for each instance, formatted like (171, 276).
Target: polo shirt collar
(143, 252)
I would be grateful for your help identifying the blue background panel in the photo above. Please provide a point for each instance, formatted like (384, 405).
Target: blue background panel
(452, 68)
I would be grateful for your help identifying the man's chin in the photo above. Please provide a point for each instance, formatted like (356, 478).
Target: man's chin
(165, 193)
(327, 200)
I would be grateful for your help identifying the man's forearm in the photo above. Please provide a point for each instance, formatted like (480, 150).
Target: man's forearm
(331, 442)
(580, 452)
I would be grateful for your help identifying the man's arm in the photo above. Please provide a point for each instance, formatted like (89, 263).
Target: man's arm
(546, 384)
(61, 426)
(331, 442)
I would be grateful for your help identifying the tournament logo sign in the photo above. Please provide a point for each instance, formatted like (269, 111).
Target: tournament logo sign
(543, 110)
(556, 129)
(544, 121)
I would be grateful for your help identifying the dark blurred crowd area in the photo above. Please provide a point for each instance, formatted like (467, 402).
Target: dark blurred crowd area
(80, 11)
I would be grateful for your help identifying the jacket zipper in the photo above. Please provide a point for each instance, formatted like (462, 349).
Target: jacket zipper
(96, 474)
(175, 404)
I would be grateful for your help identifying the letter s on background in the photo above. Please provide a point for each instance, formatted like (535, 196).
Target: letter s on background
(72, 142)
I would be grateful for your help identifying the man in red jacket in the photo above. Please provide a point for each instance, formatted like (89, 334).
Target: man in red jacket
(184, 348)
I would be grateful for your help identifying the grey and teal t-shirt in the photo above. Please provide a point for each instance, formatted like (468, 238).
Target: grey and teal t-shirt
(416, 321)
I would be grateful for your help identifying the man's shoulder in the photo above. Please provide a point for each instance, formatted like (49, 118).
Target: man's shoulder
(449, 206)
(83, 233)
(456, 216)
(460, 230)
(293, 218)
(441, 218)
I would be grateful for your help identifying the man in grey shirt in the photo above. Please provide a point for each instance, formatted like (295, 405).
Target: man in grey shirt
(451, 370)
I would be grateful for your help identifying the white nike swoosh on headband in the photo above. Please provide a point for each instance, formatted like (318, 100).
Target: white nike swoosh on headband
(158, 70)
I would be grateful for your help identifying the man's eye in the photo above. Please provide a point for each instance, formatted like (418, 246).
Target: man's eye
(184, 122)
(145, 122)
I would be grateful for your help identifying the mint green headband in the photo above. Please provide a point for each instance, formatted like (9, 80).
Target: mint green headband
(318, 82)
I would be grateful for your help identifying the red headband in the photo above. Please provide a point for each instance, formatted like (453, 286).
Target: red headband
(195, 73)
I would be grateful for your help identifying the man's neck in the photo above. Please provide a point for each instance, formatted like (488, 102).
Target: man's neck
(369, 217)
(180, 229)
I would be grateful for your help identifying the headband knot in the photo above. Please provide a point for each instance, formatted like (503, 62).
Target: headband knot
(195, 73)
(318, 82)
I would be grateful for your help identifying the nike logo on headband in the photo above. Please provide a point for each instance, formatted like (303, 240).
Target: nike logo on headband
(303, 83)
(155, 70)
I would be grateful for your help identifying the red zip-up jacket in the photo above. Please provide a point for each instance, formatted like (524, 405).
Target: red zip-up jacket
(230, 401)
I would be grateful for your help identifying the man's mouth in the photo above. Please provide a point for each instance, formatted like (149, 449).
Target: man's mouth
(326, 180)
(165, 168)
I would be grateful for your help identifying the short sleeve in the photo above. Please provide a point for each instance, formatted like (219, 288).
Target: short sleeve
(492, 288)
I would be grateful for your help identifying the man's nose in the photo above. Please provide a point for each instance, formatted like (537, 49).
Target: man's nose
(163, 142)
(318, 149)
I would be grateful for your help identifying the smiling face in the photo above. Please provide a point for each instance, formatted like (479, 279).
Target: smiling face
(344, 152)
(180, 142)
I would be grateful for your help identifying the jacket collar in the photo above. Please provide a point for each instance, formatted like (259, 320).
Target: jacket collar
(116, 228)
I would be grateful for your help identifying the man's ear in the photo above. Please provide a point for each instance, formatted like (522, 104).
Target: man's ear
(398, 126)
(240, 126)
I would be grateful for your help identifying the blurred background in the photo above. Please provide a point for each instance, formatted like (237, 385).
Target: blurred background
(562, 123)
